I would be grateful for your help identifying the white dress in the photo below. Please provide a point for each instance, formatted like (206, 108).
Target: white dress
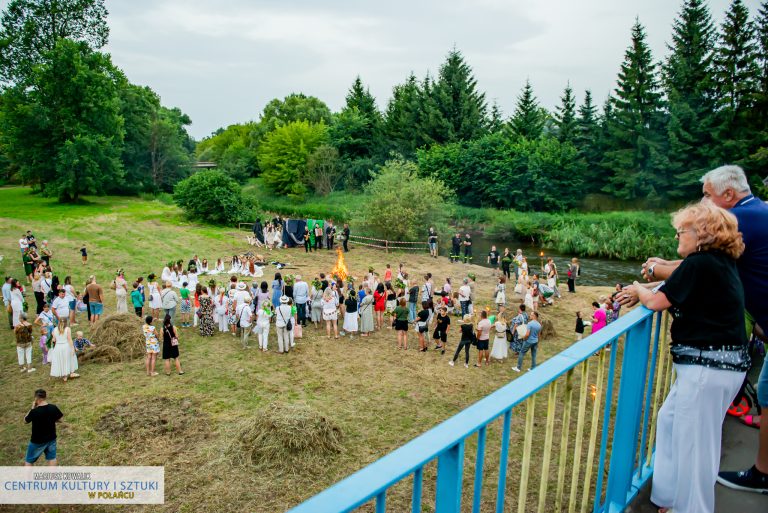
(17, 305)
(166, 274)
(500, 347)
(154, 297)
(62, 356)
(121, 295)
(330, 313)
(350, 321)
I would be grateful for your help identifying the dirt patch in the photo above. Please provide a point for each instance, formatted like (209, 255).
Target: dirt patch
(146, 418)
(287, 437)
(117, 338)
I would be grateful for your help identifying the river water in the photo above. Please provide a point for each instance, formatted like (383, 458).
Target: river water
(594, 271)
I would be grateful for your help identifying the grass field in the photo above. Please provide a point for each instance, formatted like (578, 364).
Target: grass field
(379, 397)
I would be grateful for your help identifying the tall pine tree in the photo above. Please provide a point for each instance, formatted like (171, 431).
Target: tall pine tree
(433, 127)
(529, 118)
(361, 122)
(758, 160)
(689, 84)
(587, 138)
(736, 73)
(458, 100)
(635, 157)
(565, 116)
(496, 121)
(402, 118)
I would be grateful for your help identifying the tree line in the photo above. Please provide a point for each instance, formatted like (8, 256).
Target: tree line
(71, 123)
(665, 124)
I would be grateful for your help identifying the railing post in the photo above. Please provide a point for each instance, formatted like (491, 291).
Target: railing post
(628, 414)
(449, 468)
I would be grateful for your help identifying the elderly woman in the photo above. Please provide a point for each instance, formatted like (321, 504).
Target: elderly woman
(709, 351)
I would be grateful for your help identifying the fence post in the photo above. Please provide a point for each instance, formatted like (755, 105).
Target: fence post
(628, 414)
(386, 246)
(449, 468)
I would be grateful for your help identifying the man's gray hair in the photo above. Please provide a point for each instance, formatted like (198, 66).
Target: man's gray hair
(727, 177)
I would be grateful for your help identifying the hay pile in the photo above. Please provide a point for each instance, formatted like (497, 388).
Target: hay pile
(117, 338)
(547, 330)
(287, 437)
(146, 418)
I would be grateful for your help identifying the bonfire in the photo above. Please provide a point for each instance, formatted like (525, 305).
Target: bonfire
(340, 271)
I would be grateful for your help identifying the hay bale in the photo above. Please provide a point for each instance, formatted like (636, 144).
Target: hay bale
(547, 330)
(144, 418)
(121, 332)
(101, 354)
(286, 437)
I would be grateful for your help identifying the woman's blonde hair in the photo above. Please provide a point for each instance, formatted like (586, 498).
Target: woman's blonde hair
(716, 228)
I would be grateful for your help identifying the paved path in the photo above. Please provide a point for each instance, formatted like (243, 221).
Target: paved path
(739, 447)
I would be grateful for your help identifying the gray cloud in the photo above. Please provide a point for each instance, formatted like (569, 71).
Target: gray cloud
(221, 62)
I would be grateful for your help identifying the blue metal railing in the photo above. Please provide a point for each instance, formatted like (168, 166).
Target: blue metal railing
(628, 463)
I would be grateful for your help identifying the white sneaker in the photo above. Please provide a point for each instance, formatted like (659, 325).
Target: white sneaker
(466, 366)
(451, 363)
(31, 369)
(515, 369)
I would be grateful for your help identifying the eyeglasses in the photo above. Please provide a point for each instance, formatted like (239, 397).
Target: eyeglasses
(680, 232)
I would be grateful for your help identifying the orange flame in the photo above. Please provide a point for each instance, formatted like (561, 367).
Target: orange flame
(340, 270)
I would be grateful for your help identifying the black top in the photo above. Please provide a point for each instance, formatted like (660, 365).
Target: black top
(413, 294)
(466, 331)
(346, 233)
(707, 301)
(467, 241)
(351, 303)
(423, 315)
(579, 325)
(43, 419)
(443, 321)
(432, 236)
(288, 290)
(494, 256)
(323, 285)
(391, 296)
(456, 241)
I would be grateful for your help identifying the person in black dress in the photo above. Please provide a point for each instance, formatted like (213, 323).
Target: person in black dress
(345, 232)
(170, 351)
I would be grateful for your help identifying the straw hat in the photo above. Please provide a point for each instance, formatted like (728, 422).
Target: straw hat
(241, 286)
(283, 300)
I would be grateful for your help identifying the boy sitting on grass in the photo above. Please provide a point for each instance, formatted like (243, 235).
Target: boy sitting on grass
(81, 343)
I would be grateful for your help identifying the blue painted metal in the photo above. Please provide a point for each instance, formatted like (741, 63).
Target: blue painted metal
(418, 480)
(502, 487)
(449, 466)
(628, 409)
(607, 405)
(381, 502)
(446, 440)
(479, 460)
(649, 393)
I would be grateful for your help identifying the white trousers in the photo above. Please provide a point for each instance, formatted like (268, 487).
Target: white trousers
(263, 334)
(24, 353)
(688, 438)
(283, 339)
(223, 324)
(194, 316)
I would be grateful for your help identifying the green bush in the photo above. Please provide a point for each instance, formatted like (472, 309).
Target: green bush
(212, 196)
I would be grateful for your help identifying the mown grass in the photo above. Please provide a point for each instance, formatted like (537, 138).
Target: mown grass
(380, 397)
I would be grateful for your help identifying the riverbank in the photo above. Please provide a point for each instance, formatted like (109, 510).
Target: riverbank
(623, 235)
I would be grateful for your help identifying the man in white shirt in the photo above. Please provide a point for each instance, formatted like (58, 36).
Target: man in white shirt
(244, 313)
(241, 294)
(282, 318)
(464, 297)
(301, 296)
(23, 244)
(60, 306)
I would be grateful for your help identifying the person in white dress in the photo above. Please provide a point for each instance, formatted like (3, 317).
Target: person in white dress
(192, 279)
(263, 315)
(62, 356)
(121, 292)
(220, 310)
(235, 266)
(203, 269)
(500, 349)
(501, 292)
(17, 302)
(155, 303)
(71, 298)
(166, 274)
(329, 305)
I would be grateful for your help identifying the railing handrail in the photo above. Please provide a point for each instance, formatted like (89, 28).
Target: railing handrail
(368, 482)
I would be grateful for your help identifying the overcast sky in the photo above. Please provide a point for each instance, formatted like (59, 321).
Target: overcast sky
(221, 61)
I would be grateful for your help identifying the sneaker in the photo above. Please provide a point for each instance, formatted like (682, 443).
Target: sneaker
(750, 480)
(451, 363)
(466, 366)
(515, 369)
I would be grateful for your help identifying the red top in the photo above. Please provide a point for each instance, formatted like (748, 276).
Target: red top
(379, 301)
